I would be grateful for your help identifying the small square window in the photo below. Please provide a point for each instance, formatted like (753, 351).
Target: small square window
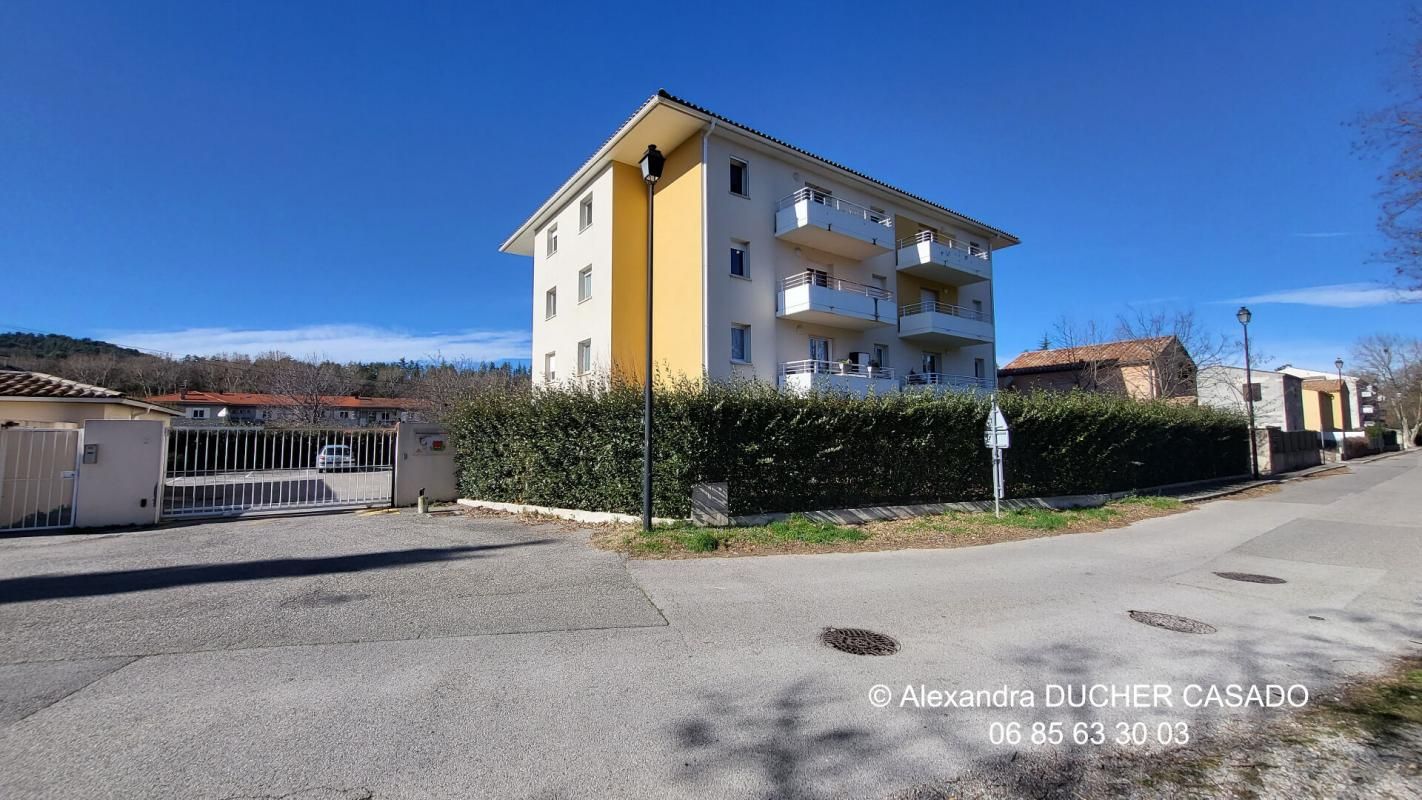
(738, 260)
(585, 213)
(585, 356)
(740, 344)
(552, 239)
(740, 177)
(585, 283)
(199, 413)
(550, 303)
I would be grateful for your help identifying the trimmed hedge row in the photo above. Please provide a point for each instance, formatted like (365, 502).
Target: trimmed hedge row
(582, 447)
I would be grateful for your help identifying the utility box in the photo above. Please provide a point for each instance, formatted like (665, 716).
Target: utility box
(424, 459)
(121, 473)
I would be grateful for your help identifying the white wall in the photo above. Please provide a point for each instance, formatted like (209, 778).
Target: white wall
(575, 321)
(733, 300)
(122, 486)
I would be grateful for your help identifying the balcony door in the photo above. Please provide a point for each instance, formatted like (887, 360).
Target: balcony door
(930, 363)
(820, 349)
(819, 194)
(929, 298)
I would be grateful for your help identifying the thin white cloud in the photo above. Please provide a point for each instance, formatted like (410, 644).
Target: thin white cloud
(1338, 295)
(1322, 234)
(335, 342)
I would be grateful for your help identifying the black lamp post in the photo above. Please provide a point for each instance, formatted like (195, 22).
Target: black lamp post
(652, 163)
(1244, 316)
(1342, 394)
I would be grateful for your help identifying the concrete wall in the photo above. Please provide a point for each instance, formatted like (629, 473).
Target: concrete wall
(37, 413)
(1280, 403)
(121, 486)
(1283, 451)
(424, 459)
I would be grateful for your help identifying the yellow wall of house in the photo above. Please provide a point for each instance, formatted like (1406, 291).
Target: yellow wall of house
(629, 271)
(71, 413)
(910, 286)
(678, 328)
(1322, 410)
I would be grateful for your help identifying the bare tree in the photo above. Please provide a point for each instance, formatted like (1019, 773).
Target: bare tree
(1078, 342)
(1394, 365)
(308, 386)
(1394, 134)
(1175, 372)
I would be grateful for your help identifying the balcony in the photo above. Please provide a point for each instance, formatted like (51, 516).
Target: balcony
(941, 382)
(940, 324)
(812, 377)
(935, 257)
(823, 300)
(825, 222)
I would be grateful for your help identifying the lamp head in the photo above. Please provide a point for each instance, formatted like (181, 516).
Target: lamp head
(1243, 315)
(652, 163)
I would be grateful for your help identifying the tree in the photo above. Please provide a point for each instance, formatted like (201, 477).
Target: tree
(1078, 342)
(1394, 365)
(308, 385)
(1394, 134)
(1046, 343)
(1175, 372)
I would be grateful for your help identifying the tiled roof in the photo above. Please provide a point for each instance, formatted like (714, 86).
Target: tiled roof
(1125, 352)
(278, 401)
(22, 383)
(1321, 384)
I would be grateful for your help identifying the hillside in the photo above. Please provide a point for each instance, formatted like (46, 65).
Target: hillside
(23, 346)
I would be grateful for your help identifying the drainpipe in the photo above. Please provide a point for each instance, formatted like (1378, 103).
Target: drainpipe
(705, 255)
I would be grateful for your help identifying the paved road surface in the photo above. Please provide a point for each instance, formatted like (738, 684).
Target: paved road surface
(397, 656)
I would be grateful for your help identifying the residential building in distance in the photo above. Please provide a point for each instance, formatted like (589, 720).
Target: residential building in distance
(1329, 406)
(771, 263)
(37, 400)
(1278, 396)
(1146, 369)
(247, 408)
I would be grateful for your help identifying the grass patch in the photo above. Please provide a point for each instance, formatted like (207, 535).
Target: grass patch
(1161, 503)
(687, 538)
(1382, 707)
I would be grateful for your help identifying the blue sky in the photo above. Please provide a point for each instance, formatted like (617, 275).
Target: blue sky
(336, 178)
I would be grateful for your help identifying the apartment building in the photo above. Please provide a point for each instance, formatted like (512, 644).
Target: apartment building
(1278, 396)
(771, 263)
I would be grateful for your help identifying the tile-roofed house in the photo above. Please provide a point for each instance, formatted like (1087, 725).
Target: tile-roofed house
(1146, 369)
(37, 399)
(246, 408)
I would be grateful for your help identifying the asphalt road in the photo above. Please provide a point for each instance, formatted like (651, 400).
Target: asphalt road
(395, 656)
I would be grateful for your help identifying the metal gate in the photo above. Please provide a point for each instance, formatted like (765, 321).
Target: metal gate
(233, 471)
(37, 478)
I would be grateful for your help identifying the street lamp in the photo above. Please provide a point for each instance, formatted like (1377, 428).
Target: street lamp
(1244, 316)
(652, 163)
(1342, 393)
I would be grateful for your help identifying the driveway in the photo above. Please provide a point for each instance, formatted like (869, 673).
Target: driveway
(398, 656)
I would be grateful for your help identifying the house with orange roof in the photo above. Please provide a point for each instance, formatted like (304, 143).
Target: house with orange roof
(1146, 369)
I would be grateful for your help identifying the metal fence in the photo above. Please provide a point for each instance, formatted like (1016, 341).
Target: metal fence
(225, 472)
(37, 478)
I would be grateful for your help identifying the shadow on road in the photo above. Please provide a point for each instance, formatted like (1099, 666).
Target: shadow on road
(90, 584)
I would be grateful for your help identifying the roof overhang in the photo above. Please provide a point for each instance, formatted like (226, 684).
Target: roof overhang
(667, 122)
(118, 401)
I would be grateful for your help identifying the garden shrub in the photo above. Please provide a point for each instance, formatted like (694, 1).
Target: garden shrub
(582, 447)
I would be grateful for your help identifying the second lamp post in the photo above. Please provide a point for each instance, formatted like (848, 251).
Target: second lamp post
(652, 163)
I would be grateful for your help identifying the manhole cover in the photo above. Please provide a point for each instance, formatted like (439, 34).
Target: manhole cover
(1249, 577)
(1171, 622)
(859, 642)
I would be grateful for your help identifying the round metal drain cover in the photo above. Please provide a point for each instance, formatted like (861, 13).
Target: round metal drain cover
(859, 642)
(1171, 622)
(1250, 577)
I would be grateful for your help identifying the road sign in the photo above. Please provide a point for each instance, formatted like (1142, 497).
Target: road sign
(995, 436)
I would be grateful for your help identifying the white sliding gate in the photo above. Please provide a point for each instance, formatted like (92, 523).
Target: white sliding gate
(232, 470)
(37, 478)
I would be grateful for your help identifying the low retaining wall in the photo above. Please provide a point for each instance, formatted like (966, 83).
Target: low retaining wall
(1284, 451)
(577, 515)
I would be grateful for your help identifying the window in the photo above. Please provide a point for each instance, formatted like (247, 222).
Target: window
(975, 248)
(1253, 392)
(820, 349)
(552, 239)
(385, 416)
(740, 178)
(738, 260)
(740, 344)
(550, 367)
(343, 415)
(585, 283)
(930, 362)
(585, 213)
(881, 356)
(881, 283)
(199, 413)
(979, 368)
(550, 303)
(585, 356)
(978, 308)
(877, 214)
(819, 194)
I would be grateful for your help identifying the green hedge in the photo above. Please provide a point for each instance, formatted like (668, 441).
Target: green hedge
(582, 448)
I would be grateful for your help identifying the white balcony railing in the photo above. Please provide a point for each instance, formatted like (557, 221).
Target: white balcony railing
(810, 278)
(934, 307)
(945, 241)
(959, 382)
(830, 201)
(812, 366)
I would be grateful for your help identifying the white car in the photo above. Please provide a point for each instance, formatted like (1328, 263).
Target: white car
(334, 456)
